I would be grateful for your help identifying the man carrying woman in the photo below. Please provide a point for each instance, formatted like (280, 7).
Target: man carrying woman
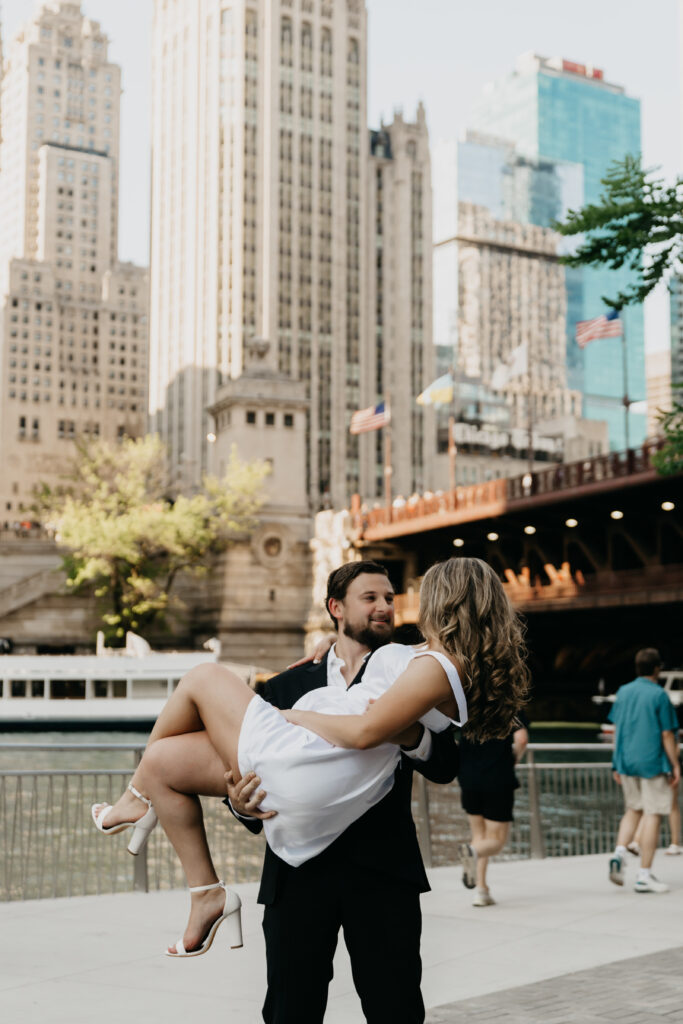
(333, 757)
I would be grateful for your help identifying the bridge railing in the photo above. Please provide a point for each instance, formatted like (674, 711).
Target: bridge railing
(494, 494)
(49, 848)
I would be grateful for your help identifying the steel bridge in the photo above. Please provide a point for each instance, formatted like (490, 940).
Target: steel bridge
(600, 540)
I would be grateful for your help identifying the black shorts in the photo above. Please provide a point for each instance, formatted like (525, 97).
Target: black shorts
(493, 804)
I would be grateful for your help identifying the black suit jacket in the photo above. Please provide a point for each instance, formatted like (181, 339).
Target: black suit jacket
(384, 838)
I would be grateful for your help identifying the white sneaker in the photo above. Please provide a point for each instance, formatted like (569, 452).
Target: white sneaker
(616, 869)
(673, 850)
(483, 898)
(650, 884)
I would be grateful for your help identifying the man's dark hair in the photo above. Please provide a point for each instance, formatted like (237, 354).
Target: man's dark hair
(647, 661)
(340, 579)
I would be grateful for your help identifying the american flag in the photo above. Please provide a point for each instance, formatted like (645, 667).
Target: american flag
(370, 419)
(606, 326)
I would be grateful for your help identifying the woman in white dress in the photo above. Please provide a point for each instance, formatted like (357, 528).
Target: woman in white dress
(333, 756)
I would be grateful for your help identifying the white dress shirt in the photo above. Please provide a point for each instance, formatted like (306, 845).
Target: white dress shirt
(335, 678)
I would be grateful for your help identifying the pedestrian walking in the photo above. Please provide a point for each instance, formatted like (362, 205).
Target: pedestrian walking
(646, 766)
(487, 788)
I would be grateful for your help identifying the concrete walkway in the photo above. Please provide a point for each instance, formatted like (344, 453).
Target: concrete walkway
(96, 958)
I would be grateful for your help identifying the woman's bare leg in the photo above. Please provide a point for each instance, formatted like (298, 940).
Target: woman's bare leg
(207, 691)
(183, 758)
(176, 770)
(478, 830)
(488, 839)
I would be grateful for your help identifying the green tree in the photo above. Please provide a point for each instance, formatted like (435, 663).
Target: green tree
(128, 541)
(637, 223)
(669, 459)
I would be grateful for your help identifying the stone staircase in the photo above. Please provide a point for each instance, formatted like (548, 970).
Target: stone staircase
(25, 591)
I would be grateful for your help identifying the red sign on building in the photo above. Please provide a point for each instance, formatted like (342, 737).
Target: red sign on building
(582, 69)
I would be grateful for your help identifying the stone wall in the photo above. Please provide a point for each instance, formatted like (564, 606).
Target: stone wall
(256, 598)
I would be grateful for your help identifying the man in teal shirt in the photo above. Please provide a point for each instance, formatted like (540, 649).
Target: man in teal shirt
(645, 764)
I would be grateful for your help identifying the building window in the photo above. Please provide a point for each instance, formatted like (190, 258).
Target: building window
(270, 419)
(289, 419)
(251, 416)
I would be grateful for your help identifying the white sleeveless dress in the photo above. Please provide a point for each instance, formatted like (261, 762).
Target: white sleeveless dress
(317, 789)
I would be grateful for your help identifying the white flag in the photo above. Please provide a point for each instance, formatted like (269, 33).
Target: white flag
(515, 365)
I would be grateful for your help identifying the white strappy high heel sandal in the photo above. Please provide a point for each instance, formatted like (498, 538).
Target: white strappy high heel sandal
(232, 913)
(141, 828)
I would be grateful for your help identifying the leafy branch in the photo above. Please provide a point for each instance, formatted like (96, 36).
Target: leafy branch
(638, 224)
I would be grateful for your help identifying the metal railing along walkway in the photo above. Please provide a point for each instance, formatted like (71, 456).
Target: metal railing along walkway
(49, 848)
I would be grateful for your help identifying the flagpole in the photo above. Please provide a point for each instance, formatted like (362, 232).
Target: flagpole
(388, 470)
(452, 452)
(626, 399)
(452, 448)
(530, 417)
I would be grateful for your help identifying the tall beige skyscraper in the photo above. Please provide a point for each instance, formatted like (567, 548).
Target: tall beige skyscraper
(73, 319)
(260, 222)
(399, 354)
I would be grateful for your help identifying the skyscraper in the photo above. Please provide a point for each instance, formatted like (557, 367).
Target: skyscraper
(74, 320)
(676, 327)
(557, 109)
(659, 392)
(497, 280)
(258, 214)
(260, 223)
(399, 360)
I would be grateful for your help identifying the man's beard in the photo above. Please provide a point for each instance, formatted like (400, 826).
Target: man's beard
(367, 636)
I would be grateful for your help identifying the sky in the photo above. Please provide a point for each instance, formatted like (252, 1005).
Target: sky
(442, 52)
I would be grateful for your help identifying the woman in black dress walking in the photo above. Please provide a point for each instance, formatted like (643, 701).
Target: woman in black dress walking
(487, 784)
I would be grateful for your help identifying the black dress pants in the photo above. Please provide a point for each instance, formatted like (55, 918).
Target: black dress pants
(381, 920)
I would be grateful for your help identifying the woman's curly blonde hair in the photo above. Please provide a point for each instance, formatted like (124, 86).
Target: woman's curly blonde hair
(464, 607)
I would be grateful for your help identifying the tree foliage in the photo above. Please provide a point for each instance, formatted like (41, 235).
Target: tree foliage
(128, 540)
(669, 460)
(638, 223)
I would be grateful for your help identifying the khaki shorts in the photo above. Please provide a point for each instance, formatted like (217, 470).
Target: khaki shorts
(652, 796)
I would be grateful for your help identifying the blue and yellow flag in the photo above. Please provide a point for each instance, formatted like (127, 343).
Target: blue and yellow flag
(439, 392)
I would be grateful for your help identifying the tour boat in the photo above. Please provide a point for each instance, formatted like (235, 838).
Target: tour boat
(126, 687)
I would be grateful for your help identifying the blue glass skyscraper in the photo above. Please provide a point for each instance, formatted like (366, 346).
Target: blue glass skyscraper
(560, 110)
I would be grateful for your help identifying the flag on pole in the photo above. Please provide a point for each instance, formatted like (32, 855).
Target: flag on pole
(608, 325)
(515, 365)
(439, 392)
(370, 419)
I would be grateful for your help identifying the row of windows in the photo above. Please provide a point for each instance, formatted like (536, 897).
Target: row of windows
(252, 418)
(46, 33)
(112, 403)
(66, 429)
